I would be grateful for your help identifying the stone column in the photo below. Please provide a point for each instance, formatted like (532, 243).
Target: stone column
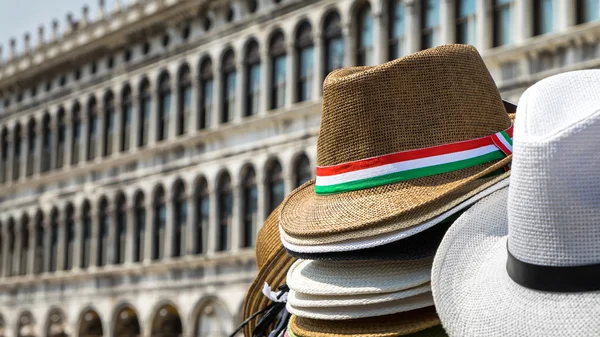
(169, 228)
(135, 122)
(212, 222)
(319, 61)
(153, 123)
(130, 247)
(379, 32)
(349, 46)
(53, 142)
(240, 88)
(101, 131)
(16, 261)
(149, 229)
(24, 152)
(111, 247)
(84, 138)
(193, 120)
(47, 244)
(564, 14)
(483, 35)
(236, 223)
(32, 248)
(192, 229)
(62, 241)
(291, 75)
(11, 155)
(37, 159)
(5, 271)
(523, 26)
(118, 117)
(261, 207)
(68, 140)
(173, 110)
(78, 240)
(265, 80)
(447, 22)
(217, 98)
(95, 237)
(413, 27)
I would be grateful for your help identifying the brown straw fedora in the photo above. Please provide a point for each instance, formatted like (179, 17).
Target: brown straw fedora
(378, 123)
(273, 263)
(400, 324)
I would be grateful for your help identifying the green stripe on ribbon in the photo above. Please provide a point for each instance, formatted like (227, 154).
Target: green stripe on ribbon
(408, 174)
(507, 137)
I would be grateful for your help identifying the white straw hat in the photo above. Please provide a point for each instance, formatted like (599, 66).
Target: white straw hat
(300, 300)
(357, 277)
(526, 262)
(362, 311)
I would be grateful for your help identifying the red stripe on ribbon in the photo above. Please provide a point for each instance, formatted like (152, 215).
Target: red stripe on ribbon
(398, 157)
(500, 145)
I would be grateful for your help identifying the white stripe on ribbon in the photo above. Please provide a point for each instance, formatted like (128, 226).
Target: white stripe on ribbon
(404, 166)
(504, 141)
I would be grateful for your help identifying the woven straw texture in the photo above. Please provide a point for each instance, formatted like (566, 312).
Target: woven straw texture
(436, 331)
(554, 199)
(368, 310)
(273, 263)
(300, 300)
(437, 96)
(400, 324)
(357, 277)
(475, 296)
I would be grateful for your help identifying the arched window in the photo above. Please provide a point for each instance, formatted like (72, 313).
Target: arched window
(46, 144)
(127, 323)
(17, 152)
(225, 211)
(86, 250)
(145, 110)
(90, 324)
(10, 268)
(279, 70)
(250, 206)
(206, 94)
(334, 43)
(26, 325)
(202, 215)
(397, 29)
(109, 123)
(229, 92)
(120, 245)
(543, 16)
(306, 59)
(140, 230)
(587, 11)
(164, 107)
(211, 320)
(61, 139)
(38, 262)
(166, 323)
(465, 21)
(92, 129)
(275, 185)
(252, 61)
(430, 22)
(56, 325)
(302, 170)
(24, 244)
(54, 230)
(180, 206)
(103, 230)
(4, 157)
(32, 132)
(364, 38)
(70, 237)
(185, 100)
(159, 224)
(126, 118)
(76, 136)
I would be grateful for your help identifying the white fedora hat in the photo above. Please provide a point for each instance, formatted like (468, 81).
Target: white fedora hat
(526, 261)
(357, 277)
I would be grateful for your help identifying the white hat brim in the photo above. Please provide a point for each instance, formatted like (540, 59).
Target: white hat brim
(370, 242)
(300, 300)
(474, 295)
(357, 277)
(362, 311)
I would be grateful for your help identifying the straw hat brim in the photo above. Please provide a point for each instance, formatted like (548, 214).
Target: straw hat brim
(420, 301)
(273, 273)
(300, 300)
(376, 241)
(381, 210)
(475, 296)
(399, 324)
(436, 331)
(357, 277)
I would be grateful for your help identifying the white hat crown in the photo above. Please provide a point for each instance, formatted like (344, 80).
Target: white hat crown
(554, 194)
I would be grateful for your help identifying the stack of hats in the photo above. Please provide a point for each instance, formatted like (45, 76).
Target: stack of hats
(403, 149)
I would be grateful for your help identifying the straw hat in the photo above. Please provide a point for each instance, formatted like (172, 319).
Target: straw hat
(383, 132)
(272, 262)
(436, 331)
(526, 262)
(400, 324)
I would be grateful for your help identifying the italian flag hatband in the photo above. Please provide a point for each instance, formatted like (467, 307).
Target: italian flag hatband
(412, 164)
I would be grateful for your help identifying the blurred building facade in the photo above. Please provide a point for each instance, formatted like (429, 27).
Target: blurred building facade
(142, 146)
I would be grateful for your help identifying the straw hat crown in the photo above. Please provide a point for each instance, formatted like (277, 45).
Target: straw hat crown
(433, 97)
(553, 197)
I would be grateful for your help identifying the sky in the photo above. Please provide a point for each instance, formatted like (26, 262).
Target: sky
(20, 16)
